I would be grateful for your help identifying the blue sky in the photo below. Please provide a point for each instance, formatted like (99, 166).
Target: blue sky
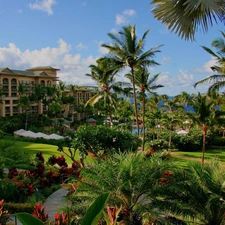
(67, 34)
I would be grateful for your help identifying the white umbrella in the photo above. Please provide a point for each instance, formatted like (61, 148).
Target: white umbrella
(182, 132)
(28, 133)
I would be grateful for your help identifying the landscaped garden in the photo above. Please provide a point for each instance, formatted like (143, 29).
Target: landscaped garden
(156, 177)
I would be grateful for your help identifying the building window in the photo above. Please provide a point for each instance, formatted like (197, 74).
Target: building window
(13, 81)
(5, 81)
(49, 83)
(87, 96)
(7, 110)
(15, 110)
(13, 94)
(15, 102)
(42, 83)
(7, 102)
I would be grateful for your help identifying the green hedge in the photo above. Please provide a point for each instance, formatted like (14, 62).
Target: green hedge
(19, 207)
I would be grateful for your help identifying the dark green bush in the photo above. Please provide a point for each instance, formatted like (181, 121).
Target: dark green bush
(189, 143)
(217, 141)
(104, 139)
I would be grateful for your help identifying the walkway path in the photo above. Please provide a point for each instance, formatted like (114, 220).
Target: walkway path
(53, 204)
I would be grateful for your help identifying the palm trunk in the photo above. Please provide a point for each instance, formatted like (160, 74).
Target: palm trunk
(26, 121)
(135, 100)
(143, 123)
(170, 138)
(110, 116)
(203, 143)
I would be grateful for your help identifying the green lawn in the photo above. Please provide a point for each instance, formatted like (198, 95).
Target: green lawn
(47, 150)
(210, 153)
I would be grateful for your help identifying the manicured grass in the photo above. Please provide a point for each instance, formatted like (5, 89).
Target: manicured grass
(210, 153)
(47, 150)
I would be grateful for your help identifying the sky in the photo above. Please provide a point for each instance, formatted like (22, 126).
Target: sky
(68, 34)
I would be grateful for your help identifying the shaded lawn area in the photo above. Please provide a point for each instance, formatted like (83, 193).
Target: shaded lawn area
(47, 150)
(210, 153)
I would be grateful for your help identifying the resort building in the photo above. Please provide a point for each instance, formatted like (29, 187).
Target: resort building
(11, 80)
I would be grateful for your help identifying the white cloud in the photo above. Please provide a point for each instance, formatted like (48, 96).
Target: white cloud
(129, 12)
(165, 60)
(183, 81)
(19, 10)
(81, 46)
(120, 19)
(72, 66)
(124, 17)
(101, 50)
(206, 68)
(44, 5)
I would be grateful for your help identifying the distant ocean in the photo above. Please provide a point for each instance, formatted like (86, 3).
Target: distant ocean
(186, 108)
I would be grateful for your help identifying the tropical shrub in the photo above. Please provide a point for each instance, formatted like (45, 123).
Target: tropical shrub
(197, 194)
(130, 178)
(157, 144)
(11, 157)
(4, 214)
(217, 141)
(191, 142)
(104, 140)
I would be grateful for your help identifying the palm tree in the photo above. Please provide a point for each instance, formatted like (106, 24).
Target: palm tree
(145, 84)
(197, 194)
(218, 78)
(127, 51)
(169, 121)
(131, 180)
(55, 108)
(124, 110)
(25, 103)
(104, 75)
(185, 98)
(205, 116)
(184, 17)
(2, 92)
(48, 95)
(37, 95)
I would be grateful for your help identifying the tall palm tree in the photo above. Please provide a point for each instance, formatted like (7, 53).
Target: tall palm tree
(217, 79)
(169, 121)
(37, 95)
(205, 116)
(104, 75)
(145, 83)
(184, 17)
(25, 103)
(2, 92)
(185, 98)
(127, 51)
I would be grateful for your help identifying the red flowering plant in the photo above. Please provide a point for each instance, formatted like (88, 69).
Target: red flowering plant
(52, 160)
(4, 214)
(61, 161)
(150, 152)
(167, 176)
(61, 218)
(39, 212)
(64, 218)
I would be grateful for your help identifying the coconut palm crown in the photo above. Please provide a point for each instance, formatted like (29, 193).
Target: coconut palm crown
(217, 80)
(185, 17)
(127, 51)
